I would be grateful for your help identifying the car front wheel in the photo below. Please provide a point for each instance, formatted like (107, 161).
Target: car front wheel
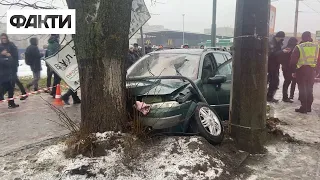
(209, 124)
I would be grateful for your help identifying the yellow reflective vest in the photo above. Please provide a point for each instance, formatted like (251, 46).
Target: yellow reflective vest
(309, 53)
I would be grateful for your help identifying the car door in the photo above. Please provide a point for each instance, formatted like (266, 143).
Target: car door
(208, 90)
(223, 91)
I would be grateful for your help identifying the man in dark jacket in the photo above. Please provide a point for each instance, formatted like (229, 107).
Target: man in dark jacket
(305, 61)
(33, 59)
(13, 51)
(131, 58)
(284, 59)
(136, 51)
(273, 64)
(7, 76)
(53, 47)
(148, 48)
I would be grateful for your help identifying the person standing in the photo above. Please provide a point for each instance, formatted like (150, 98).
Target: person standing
(305, 61)
(53, 47)
(148, 48)
(33, 59)
(284, 59)
(273, 65)
(7, 76)
(13, 51)
(136, 51)
(49, 71)
(131, 58)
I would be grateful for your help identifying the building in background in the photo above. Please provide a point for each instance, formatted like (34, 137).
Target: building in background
(173, 39)
(146, 29)
(221, 31)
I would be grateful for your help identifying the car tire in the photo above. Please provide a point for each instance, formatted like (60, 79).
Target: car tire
(209, 124)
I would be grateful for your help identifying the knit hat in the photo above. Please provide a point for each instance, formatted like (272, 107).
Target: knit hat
(306, 36)
(280, 34)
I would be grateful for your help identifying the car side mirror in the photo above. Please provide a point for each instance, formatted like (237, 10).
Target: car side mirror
(218, 79)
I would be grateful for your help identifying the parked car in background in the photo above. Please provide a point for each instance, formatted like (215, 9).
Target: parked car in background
(24, 69)
(189, 88)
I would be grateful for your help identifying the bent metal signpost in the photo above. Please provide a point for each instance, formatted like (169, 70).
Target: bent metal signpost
(64, 62)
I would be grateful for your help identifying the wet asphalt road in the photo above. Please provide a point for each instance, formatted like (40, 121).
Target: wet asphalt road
(30, 123)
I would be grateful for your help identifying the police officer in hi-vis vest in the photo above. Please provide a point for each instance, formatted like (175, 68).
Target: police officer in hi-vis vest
(305, 61)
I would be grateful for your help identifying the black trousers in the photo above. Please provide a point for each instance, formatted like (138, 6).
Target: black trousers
(7, 87)
(305, 79)
(49, 76)
(71, 93)
(293, 87)
(56, 80)
(20, 85)
(288, 79)
(273, 78)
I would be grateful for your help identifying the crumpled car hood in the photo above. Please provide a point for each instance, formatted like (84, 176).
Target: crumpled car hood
(154, 87)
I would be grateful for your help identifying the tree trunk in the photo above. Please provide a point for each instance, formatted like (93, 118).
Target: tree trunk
(101, 43)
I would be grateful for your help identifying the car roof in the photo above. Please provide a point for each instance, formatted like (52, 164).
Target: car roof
(180, 51)
(187, 51)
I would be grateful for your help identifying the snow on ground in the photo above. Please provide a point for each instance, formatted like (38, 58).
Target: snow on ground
(303, 127)
(25, 71)
(170, 158)
(286, 161)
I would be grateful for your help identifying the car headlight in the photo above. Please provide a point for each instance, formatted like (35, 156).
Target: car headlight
(168, 104)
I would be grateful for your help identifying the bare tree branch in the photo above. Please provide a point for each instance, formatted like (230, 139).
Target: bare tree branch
(22, 3)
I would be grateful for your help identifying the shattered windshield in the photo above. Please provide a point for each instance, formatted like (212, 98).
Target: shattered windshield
(166, 65)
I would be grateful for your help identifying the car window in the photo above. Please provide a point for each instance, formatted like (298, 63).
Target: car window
(219, 58)
(207, 68)
(228, 56)
(226, 69)
(158, 64)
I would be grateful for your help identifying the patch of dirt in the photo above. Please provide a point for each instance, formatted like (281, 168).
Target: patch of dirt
(277, 133)
(82, 170)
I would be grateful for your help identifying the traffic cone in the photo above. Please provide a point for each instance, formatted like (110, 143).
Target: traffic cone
(58, 101)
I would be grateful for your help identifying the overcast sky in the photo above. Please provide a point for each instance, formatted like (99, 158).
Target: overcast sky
(198, 14)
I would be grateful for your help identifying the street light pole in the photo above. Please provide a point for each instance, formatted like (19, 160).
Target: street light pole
(213, 26)
(296, 19)
(183, 29)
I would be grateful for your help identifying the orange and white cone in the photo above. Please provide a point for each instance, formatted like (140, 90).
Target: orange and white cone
(58, 101)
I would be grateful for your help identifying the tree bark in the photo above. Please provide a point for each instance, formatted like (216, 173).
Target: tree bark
(101, 44)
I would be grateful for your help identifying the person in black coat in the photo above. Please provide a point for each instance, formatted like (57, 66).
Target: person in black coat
(131, 58)
(13, 51)
(33, 59)
(7, 76)
(273, 64)
(284, 59)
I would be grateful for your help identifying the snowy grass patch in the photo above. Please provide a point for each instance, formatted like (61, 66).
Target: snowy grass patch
(161, 159)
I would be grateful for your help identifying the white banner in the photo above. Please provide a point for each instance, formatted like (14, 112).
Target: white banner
(65, 64)
(139, 16)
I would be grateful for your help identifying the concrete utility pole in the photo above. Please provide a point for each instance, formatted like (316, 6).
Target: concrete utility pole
(296, 19)
(213, 26)
(248, 99)
(183, 29)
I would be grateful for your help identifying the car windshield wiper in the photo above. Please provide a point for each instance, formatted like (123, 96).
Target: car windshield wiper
(178, 66)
